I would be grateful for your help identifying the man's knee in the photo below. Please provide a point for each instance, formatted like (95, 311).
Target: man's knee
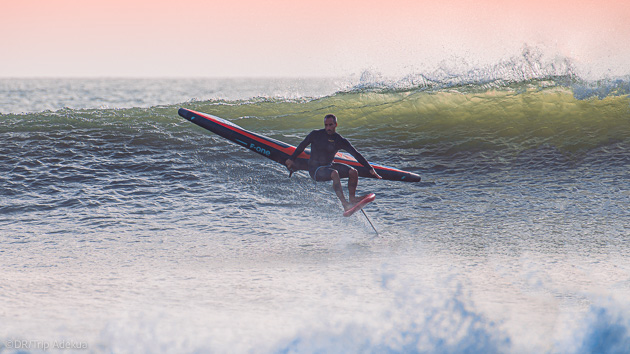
(334, 175)
(353, 173)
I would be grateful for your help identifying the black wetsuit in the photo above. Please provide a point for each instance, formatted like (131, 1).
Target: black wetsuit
(323, 150)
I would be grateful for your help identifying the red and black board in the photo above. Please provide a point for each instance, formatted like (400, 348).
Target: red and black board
(279, 151)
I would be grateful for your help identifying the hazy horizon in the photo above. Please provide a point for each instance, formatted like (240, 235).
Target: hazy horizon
(309, 39)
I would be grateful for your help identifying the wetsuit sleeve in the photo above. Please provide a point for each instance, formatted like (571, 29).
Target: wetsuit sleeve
(350, 149)
(302, 146)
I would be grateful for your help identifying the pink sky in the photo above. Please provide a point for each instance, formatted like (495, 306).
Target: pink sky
(214, 38)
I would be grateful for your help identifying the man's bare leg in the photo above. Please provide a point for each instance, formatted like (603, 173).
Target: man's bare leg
(339, 190)
(353, 181)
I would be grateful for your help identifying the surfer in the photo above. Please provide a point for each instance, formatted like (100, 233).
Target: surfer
(325, 143)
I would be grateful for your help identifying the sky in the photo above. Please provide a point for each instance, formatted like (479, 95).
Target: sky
(302, 38)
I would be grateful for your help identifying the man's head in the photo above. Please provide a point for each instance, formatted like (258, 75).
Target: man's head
(330, 123)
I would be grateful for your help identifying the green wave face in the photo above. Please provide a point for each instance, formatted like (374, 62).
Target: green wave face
(489, 120)
(464, 122)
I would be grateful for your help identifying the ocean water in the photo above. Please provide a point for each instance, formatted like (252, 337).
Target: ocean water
(126, 229)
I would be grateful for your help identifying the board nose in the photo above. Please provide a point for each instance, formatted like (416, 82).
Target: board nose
(184, 113)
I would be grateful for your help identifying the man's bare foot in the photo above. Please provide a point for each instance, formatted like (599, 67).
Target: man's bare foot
(357, 199)
(347, 206)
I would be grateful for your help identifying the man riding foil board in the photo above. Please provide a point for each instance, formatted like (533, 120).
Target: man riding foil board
(325, 143)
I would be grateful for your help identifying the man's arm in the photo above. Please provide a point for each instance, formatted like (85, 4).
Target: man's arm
(298, 151)
(357, 155)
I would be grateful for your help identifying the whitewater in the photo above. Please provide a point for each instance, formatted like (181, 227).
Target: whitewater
(125, 228)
